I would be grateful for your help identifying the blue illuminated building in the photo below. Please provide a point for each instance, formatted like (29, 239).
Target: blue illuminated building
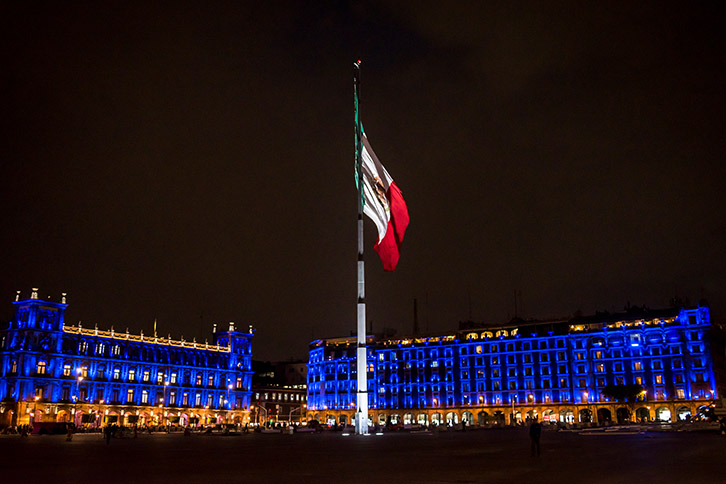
(52, 372)
(556, 371)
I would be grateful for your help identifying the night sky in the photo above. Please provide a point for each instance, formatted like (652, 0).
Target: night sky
(192, 162)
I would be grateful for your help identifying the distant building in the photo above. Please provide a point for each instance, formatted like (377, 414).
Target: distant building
(52, 372)
(557, 371)
(279, 392)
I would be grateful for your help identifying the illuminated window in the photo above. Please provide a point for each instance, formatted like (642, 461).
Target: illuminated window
(435, 364)
(130, 395)
(144, 396)
(210, 381)
(637, 366)
(198, 399)
(239, 383)
(185, 399)
(14, 366)
(132, 374)
(84, 371)
(638, 380)
(598, 354)
(159, 378)
(116, 350)
(147, 375)
(210, 400)
(478, 350)
(495, 360)
(67, 369)
(680, 394)
(495, 373)
(600, 368)
(659, 379)
(41, 367)
(173, 377)
(172, 398)
(100, 349)
(82, 347)
(199, 380)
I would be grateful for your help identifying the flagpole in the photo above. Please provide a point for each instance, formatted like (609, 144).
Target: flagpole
(361, 421)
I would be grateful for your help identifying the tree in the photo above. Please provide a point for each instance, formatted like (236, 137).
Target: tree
(627, 394)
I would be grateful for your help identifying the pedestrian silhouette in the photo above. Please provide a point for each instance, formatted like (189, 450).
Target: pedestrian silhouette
(535, 431)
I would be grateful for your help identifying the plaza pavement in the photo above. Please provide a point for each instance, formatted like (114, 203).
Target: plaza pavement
(487, 456)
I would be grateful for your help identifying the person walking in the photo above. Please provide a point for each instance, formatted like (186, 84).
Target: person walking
(535, 432)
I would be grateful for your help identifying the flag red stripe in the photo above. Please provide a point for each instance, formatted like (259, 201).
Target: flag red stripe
(389, 248)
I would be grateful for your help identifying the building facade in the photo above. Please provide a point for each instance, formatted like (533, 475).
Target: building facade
(557, 371)
(279, 393)
(51, 372)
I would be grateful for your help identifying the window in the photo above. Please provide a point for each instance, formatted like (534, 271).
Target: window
(638, 380)
(210, 380)
(600, 368)
(41, 368)
(210, 400)
(659, 379)
(116, 373)
(116, 350)
(172, 398)
(144, 396)
(199, 380)
(528, 358)
(677, 364)
(618, 367)
(637, 366)
(82, 346)
(681, 394)
(100, 349)
(239, 382)
(147, 375)
(679, 378)
(198, 399)
(495, 373)
(159, 378)
(544, 357)
(67, 370)
(657, 364)
(132, 374)
(528, 371)
(173, 377)
(14, 366)
(185, 399)
(130, 395)
(478, 350)
(598, 354)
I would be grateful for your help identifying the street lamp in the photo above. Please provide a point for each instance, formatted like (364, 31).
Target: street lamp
(514, 399)
(289, 418)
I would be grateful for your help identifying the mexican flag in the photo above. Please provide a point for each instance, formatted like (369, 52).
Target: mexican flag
(384, 204)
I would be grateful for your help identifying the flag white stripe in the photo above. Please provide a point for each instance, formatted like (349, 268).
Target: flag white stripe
(376, 181)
